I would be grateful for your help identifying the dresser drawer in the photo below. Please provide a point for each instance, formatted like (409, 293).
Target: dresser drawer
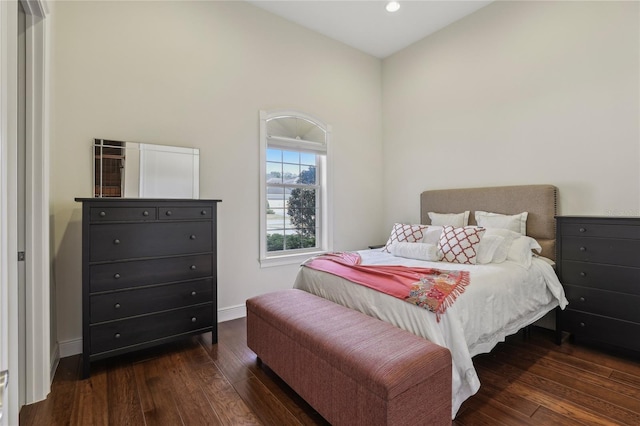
(623, 252)
(121, 275)
(604, 329)
(587, 229)
(115, 214)
(602, 302)
(123, 241)
(178, 213)
(129, 332)
(127, 303)
(622, 279)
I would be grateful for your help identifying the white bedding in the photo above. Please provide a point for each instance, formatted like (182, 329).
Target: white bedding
(500, 300)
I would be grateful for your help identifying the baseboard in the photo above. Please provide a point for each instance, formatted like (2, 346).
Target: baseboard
(72, 347)
(232, 312)
(55, 360)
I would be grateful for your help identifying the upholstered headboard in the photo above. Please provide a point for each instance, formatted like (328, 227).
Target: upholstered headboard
(539, 200)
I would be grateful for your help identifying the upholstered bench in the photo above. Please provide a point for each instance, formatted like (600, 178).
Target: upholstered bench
(352, 368)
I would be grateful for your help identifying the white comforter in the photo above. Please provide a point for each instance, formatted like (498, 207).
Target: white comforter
(500, 299)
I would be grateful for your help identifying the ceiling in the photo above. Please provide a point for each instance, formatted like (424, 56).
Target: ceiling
(367, 26)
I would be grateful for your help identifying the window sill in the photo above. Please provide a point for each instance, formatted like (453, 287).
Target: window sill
(288, 259)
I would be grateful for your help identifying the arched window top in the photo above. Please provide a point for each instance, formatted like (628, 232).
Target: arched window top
(296, 126)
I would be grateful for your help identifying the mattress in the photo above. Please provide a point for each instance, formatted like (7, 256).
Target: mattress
(500, 299)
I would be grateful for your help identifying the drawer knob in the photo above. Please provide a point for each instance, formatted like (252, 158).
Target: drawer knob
(192, 267)
(582, 229)
(103, 214)
(203, 212)
(116, 241)
(168, 213)
(194, 319)
(117, 335)
(145, 213)
(117, 306)
(192, 237)
(583, 248)
(582, 324)
(116, 276)
(193, 293)
(583, 274)
(582, 299)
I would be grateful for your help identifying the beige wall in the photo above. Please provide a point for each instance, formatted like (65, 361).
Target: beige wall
(196, 74)
(518, 93)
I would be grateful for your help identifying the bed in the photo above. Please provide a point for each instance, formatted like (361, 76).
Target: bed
(500, 299)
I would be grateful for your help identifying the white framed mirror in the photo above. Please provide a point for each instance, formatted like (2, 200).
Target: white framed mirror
(141, 170)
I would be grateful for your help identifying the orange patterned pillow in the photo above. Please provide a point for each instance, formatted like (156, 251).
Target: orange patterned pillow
(405, 233)
(460, 245)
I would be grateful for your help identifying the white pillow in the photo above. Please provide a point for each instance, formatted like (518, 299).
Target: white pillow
(418, 251)
(516, 222)
(487, 248)
(520, 250)
(456, 220)
(432, 235)
(502, 251)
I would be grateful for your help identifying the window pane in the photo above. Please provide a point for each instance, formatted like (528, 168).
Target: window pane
(291, 157)
(274, 155)
(309, 242)
(307, 159)
(290, 173)
(275, 241)
(274, 172)
(276, 213)
(276, 220)
(308, 175)
(275, 196)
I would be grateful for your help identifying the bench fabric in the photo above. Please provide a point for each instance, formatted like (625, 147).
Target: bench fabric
(352, 368)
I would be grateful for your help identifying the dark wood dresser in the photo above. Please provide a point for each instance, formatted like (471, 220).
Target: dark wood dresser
(598, 262)
(148, 273)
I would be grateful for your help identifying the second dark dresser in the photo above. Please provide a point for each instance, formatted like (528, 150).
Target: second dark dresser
(598, 264)
(148, 273)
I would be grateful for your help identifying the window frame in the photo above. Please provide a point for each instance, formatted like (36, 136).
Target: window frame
(324, 225)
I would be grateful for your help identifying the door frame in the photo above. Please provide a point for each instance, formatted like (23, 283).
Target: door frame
(38, 271)
(38, 318)
(8, 211)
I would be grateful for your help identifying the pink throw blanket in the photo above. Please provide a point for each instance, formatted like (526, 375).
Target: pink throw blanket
(430, 288)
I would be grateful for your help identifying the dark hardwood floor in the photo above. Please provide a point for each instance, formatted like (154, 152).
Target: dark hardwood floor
(524, 382)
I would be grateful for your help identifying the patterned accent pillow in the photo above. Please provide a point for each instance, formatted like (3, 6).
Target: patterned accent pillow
(460, 245)
(405, 233)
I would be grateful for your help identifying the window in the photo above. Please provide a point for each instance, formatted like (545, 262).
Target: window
(294, 187)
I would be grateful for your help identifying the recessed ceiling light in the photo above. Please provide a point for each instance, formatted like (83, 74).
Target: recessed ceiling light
(393, 6)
